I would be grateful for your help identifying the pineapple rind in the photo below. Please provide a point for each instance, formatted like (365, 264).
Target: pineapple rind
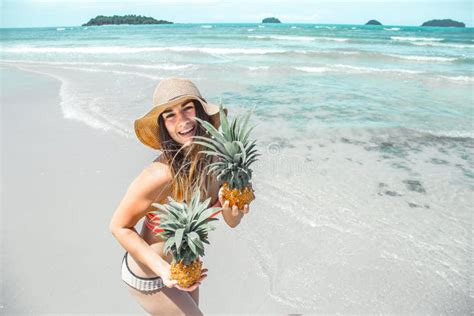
(237, 197)
(185, 229)
(186, 275)
(236, 152)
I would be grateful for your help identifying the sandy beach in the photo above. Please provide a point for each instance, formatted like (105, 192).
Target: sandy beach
(364, 190)
(62, 181)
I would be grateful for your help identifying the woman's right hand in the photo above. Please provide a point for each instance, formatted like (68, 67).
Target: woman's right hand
(170, 283)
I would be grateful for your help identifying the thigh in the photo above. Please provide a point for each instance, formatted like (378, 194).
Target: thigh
(195, 296)
(166, 301)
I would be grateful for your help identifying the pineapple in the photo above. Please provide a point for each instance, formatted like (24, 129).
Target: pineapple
(236, 152)
(185, 228)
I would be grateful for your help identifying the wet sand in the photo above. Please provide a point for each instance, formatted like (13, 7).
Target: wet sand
(334, 229)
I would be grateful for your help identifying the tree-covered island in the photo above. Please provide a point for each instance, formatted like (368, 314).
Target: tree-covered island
(125, 19)
(444, 23)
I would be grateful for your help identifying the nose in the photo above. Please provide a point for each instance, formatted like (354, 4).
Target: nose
(182, 118)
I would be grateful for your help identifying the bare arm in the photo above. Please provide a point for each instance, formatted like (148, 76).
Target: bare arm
(149, 186)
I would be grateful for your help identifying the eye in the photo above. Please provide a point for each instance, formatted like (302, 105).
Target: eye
(187, 108)
(169, 116)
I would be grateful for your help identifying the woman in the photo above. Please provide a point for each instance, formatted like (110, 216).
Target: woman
(168, 126)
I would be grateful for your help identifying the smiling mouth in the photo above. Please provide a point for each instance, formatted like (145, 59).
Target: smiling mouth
(188, 132)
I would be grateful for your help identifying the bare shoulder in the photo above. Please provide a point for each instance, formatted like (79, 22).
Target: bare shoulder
(152, 184)
(154, 176)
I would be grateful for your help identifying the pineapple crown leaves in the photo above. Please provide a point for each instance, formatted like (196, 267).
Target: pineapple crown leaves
(185, 227)
(231, 144)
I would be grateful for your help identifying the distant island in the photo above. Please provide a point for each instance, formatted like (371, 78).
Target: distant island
(271, 20)
(444, 23)
(373, 22)
(126, 19)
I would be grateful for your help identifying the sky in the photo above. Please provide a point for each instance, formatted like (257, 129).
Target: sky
(43, 13)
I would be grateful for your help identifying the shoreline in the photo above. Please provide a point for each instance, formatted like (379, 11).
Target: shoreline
(387, 208)
(72, 190)
(66, 231)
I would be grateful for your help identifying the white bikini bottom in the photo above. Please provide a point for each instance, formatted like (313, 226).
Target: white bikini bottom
(137, 282)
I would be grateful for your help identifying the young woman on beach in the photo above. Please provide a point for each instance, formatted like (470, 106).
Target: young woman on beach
(169, 127)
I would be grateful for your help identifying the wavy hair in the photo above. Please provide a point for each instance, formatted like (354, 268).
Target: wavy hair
(187, 164)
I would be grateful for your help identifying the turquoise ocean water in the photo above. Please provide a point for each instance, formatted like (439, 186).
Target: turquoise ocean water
(405, 80)
(333, 75)
(366, 134)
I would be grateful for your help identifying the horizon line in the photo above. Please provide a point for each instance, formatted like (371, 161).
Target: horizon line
(310, 23)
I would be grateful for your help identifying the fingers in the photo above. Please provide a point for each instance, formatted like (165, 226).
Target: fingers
(226, 207)
(221, 197)
(235, 210)
(171, 284)
(224, 204)
(192, 287)
(202, 278)
(188, 289)
(203, 275)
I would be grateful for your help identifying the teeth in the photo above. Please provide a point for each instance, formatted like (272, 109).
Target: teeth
(186, 132)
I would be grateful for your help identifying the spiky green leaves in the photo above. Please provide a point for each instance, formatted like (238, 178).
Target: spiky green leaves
(185, 227)
(231, 144)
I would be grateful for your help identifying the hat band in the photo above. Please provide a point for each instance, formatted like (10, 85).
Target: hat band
(182, 95)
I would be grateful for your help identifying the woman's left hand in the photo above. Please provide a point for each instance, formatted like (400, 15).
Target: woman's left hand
(234, 210)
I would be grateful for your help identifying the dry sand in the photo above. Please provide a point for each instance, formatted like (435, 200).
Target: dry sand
(341, 223)
(61, 183)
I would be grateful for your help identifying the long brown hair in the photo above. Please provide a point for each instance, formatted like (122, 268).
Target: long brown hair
(187, 165)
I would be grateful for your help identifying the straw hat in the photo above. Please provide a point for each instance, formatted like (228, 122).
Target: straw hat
(168, 93)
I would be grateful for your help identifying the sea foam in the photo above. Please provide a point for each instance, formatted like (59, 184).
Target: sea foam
(162, 66)
(283, 38)
(443, 45)
(425, 58)
(354, 69)
(414, 39)
(134, 50)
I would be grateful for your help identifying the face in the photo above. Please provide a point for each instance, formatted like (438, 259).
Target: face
(180, 123)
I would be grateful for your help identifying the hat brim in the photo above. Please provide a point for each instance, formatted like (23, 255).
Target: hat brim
(147, 129)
